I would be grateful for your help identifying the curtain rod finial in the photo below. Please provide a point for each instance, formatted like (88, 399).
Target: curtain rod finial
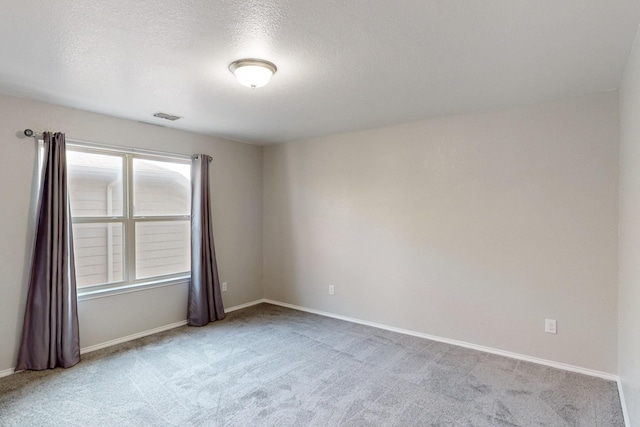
(28, 132)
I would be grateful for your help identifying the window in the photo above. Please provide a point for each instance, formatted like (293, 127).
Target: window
(131, 217)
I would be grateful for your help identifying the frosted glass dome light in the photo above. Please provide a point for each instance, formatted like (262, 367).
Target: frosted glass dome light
(252, 73)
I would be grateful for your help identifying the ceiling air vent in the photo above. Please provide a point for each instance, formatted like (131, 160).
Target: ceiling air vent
(167, 116)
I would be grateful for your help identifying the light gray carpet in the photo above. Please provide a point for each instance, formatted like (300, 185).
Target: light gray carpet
(271, 366)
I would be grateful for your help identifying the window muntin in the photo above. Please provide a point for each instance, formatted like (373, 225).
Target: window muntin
(115, 246)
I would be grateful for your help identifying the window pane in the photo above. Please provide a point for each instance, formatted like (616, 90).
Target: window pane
(98, 253)
(162, 247)
(95, 184)
(161, 188)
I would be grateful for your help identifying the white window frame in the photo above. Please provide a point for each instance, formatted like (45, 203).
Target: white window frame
(127, 219)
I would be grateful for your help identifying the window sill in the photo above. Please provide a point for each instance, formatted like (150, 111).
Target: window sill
(86, 294)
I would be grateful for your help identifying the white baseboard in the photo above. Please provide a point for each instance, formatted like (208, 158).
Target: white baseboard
(156, 330)
(132, 337)
(7, 372)
(625, 413)
(245, 305)
(106, 344)
(550, 363)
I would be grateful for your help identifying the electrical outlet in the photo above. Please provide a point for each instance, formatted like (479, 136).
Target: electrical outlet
(550, 326)
(332, 290)
(224, 286)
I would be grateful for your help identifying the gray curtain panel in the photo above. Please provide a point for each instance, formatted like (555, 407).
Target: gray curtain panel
(50, 336)
(205, 300)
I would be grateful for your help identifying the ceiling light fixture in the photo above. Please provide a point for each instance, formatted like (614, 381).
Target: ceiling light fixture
(251, 72)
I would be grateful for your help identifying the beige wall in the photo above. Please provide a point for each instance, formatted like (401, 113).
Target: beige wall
(237, 218)
(629, 253)
(474, 228)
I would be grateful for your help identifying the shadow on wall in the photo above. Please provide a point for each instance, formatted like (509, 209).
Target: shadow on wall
(28, 254)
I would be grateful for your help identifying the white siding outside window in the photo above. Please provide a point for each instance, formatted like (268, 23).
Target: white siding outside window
(131, 217)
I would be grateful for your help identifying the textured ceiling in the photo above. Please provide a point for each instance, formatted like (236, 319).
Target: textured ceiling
(342, 65)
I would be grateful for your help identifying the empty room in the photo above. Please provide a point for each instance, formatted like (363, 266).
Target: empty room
(320, 213)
